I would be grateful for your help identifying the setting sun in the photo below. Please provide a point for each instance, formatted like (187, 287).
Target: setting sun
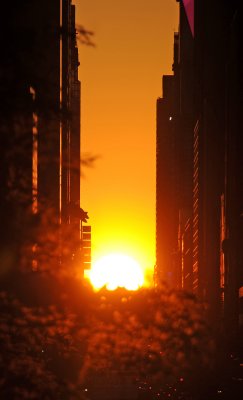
(116, 270)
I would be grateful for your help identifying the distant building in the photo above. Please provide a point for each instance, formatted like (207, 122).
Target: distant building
(174, 165)
(166, 215)
(85, 255)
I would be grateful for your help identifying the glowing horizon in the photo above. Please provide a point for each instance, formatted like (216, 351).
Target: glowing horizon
(116, 270)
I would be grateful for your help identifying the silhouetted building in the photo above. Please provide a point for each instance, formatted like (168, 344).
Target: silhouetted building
(15, 128)
(166, 219)
(40, 122)
(174, 165)
(59, 126)
(218, 148)
(208, 148)
(86, 246)
(70, 127)
(71, 112)
(184, 74)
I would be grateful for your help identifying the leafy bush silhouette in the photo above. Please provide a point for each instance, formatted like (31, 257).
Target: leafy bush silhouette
(41, 352)
(155, 335)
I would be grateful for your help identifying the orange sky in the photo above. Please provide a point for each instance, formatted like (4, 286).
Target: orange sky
(121, 80)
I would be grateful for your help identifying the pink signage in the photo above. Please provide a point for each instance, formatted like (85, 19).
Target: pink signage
(189, 7)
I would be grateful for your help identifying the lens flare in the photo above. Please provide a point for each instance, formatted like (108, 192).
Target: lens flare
(116, 270)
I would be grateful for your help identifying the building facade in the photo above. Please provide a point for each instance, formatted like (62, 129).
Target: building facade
(207, 131)
(174, 165)
(40, 126)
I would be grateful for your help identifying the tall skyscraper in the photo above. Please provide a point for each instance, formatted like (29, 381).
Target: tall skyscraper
(166, 215)
(41, 124)
(208, 149)
(218, 147)
(174, 165)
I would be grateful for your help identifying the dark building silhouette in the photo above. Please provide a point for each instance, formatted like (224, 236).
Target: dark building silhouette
(166, 225)
(218, 130)
(70, 126)
(71, 111)
(40, 117)
(174, 165)
(206, 99)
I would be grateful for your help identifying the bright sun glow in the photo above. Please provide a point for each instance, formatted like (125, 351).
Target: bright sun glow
(116, 270)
